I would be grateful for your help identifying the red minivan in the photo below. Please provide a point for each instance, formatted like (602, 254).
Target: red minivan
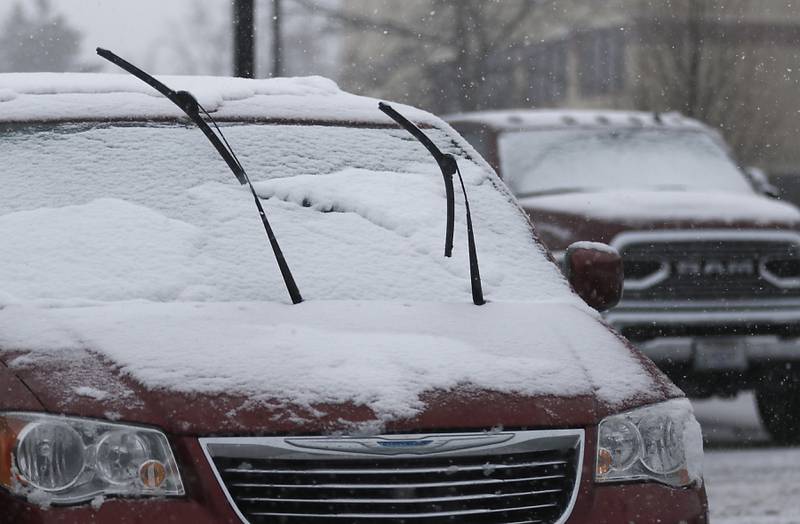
(154, 367)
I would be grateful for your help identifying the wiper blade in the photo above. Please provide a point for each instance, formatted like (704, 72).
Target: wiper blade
(446, 163)
(449, 167)
(189, 105)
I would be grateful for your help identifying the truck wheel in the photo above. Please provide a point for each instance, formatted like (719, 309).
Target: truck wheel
(780, 412)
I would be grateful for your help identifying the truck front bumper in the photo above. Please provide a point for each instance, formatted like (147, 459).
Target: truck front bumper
(713, 349)
(642, 320)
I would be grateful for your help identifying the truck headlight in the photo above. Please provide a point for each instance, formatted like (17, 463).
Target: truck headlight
(66, 460)
(661, 442)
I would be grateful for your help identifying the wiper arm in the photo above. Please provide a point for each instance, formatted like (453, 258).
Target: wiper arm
(446, 163)
(189, 105)
(449, 167)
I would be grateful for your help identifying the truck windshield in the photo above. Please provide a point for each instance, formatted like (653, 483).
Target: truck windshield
(581, 159)
(128, 211)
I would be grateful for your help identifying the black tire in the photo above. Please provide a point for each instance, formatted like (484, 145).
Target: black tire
(780, 412)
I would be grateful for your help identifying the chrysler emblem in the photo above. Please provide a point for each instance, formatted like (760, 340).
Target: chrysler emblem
(399, 445)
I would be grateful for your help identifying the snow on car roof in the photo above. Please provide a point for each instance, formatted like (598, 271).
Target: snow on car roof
(530, 118)
(90, 96)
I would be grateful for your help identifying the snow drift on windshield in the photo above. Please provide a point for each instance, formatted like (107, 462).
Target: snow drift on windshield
(152, 213)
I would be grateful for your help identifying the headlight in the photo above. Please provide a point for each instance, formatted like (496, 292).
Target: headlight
(660, 442)
(65, 460)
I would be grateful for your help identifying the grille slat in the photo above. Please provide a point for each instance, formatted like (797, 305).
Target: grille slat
(404, 471)
(400, 484)
(514, 480)
(406, 501)
(403, 516)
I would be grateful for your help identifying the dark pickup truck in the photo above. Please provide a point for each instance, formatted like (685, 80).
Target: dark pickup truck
(712, 260)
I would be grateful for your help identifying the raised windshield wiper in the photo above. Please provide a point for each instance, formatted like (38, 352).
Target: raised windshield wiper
(189, 105)
(449, 167)
(446, 163)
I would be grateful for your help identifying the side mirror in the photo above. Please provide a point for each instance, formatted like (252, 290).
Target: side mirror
(595, 272)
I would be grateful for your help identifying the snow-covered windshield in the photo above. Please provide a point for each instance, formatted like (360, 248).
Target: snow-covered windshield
(134, 211)
(559, 160)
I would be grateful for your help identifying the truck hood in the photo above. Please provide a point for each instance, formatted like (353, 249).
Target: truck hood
(564, 218)
(321, 367)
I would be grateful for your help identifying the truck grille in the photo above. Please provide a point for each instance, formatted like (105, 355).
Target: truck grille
(521, 477)
(721, 270)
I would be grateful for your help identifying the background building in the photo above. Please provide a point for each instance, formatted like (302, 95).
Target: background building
(734, 64)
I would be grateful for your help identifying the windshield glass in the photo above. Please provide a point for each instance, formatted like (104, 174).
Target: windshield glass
(584, 159)
(119, 212)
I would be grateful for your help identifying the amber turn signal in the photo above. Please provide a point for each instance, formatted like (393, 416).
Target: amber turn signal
(152, 474)
(604, 461)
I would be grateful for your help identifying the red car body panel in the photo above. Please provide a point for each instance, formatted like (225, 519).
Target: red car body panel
(180, 413)
(185, 417)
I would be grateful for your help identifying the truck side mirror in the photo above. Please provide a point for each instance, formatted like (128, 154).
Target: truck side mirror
(595, 272)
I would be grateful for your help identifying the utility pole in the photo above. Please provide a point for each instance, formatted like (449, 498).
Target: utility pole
(277, 39)
(244, 38)
(694, 33)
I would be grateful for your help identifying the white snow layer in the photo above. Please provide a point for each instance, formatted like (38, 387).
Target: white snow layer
(135, 242)
(532, 118)
(75, 96)
(151, 213)
(696, 206)
(379, 354)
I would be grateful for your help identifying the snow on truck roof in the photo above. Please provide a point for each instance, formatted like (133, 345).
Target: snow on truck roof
(91, 96)
(529, 118)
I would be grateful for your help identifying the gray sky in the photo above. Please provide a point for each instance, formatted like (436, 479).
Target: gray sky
(154, 34)
(129, 27)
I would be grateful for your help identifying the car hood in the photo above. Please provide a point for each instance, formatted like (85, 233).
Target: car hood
(321, 367)
(564, 218)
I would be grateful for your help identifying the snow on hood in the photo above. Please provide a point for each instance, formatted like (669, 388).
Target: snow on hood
(75, 96)
(378, 354)
(648, 206)
(7, 95)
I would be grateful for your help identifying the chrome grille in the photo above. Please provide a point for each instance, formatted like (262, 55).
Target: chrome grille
(520, 477)
(730, 256)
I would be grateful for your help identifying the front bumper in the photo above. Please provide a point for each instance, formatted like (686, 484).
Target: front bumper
(642, 320)
(610, 504)
(642, 504)
(205, 501)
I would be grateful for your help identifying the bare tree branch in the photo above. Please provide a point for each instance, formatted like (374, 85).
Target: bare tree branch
(358, 21)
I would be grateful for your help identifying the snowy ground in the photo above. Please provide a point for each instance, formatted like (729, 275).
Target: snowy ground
(749, 481)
